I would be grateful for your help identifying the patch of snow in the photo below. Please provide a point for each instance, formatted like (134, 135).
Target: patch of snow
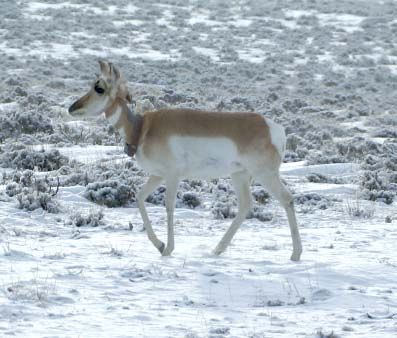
(6, 108)
(85, 154)
(300, 169)
(33, 7)
(202, 17)
(350, 23)
(254, 55)
(166, 19)
(237, 21)
(210, 52)
(134, 22)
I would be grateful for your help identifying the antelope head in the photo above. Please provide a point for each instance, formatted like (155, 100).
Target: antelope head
(107, 88)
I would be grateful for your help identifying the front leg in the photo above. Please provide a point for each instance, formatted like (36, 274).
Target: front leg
(171, 186)
(152, 183)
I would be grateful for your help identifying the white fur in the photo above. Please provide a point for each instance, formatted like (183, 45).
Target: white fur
(115, 117)
(122, 133)
(203, 157)
(196, 157)
(95, 107)
(277, 134)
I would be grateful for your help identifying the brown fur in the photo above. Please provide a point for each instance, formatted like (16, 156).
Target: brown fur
(248, 131)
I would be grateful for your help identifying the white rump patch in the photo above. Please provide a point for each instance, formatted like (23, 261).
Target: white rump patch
(277, 135)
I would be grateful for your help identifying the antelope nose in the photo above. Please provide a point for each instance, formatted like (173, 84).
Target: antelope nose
(75, 106)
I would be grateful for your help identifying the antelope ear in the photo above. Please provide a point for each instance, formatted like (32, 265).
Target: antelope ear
(105, 67)
(114, 72)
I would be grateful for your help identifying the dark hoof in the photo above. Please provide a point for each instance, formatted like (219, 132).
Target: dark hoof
(161, 248)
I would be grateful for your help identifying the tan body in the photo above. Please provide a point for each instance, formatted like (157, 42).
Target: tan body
(182, 143)
(199, 144)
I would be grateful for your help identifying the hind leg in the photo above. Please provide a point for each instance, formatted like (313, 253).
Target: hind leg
(272, 182)
(241, 184)
(170, 196)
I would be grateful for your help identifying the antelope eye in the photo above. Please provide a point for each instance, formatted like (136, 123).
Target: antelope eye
(98, 89)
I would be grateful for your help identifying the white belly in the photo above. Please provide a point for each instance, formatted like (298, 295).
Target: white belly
(204, 157)
(196, 157)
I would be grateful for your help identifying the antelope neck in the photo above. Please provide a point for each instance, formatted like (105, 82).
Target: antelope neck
(127, 122)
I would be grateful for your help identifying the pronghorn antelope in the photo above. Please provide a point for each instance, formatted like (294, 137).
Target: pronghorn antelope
(173, 144)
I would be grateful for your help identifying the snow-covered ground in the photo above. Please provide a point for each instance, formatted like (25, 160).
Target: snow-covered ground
(316, 65)
(60, 281)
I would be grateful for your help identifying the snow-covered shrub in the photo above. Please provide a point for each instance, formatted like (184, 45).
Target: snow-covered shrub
(223, 210)
(294, 105)
(125, 172)
(293, 141)
(78, 178)
(31, 291)
(350, 150)
(19, 180)
(158, 196)
(13, 189)
(300, 147)
(317, 178)
(26, 179)
(376, 186)
(65, 170)
(235, 104)
(357, 148)
(187, 195)
(393, 180)
(314, 140)
(385, 132)
(372, 163)
(111, 193)
(72, 134)
(379, 180)
(299, 126)
(223, 199)
(225, 206)
(260, 213)
(324, 156)
(26, 122)
(391, 164)
(44, 160)
(320, 178)
(110, 183)
(260, 195)
(191, 199)
(172, 98)
(31, 200)
(378, 195)
(357, 210)
(312, 200)
(374, 180)
(291, 156)
(94, 218)
(322, 334)
(68, 133)
(32, 193)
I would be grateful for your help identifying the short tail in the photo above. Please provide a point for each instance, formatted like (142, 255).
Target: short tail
(277, 135)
